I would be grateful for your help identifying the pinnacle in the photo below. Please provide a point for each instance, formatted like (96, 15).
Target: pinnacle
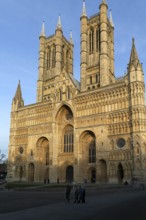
(43, 30)
(59, 25)
(134, 56)
(84, 9)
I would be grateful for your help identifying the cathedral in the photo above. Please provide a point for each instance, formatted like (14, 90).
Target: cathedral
(90, 131)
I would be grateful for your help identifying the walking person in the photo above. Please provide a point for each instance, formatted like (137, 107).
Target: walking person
(76, 194)
(68, 191)
(83, 195)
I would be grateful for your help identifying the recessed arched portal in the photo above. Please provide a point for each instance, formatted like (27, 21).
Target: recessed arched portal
(31, 172)
(92, 174)
(120, 173)
(43, 159)
(102, 171)
(69, 174)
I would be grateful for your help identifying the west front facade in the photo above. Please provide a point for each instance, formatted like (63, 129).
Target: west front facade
(93, 130)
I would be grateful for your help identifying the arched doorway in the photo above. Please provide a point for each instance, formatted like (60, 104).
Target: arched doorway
(21, 171)
(102, 171)
(93, 175)
(43, 158)
(69, 174)
(31, 172)
(120, 173)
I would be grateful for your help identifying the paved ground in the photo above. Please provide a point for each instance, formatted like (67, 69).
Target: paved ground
(101, 204)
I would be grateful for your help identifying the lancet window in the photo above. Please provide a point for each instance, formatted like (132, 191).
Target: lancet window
(92, 152)
(68, 139)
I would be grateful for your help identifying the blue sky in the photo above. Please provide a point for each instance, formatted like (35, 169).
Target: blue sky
(20, 26)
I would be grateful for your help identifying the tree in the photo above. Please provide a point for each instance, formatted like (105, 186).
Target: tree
(3, 165)
(2, 157)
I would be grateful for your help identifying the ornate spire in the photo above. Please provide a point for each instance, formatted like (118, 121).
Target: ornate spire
(134, 56)
(18, 96)
(59, 25)
(43, 30)
(111, 19)
(71, 38)
(104, 2)
(84, 9)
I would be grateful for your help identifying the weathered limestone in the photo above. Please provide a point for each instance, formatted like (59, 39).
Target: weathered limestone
(92, 131)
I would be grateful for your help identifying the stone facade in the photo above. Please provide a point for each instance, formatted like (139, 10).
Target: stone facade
(93, 130)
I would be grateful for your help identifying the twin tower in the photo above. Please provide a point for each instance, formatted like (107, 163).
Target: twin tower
(97, 53)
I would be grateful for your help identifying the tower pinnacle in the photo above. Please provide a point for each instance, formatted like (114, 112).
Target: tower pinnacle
(134, 56)
(43, 30)
(104, 2)
(17, 100)
(84, 9)
(59, 25)
(111, 19)
(71, 38)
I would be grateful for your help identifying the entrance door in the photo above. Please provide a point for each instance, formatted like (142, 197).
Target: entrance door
(103, 171)
(93, 176)
(31, 172)
(120, 173)
(69, 174)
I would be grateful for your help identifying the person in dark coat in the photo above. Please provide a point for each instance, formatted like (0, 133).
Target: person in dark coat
(82, 194)
(76, 194)
(68, 191)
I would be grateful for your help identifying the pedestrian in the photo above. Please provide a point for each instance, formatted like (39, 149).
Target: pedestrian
(83, 194)
(76, 194)
(68, 191)
(80, 194)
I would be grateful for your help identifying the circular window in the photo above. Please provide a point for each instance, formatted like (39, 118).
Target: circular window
(121, 142)
(21, 150)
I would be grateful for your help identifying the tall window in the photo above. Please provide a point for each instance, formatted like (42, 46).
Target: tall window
(60, 95)
(53, 57)
(92, 152)
(67, 58)
(91, 41)
(98, 40)
(48, 58)
(63, 57)
(68, 93)
(68, 139)
(47, 156)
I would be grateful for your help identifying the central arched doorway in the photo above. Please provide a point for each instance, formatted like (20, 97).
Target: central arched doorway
(43, 158)
(31, 172)
(69, 174)
(102, 171)
(93, 175)
(120, 173)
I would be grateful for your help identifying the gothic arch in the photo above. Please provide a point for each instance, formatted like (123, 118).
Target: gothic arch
(102, 171)
(86, 138)
(120, 173)
(60, 110)
(31, 172)
(43, 158)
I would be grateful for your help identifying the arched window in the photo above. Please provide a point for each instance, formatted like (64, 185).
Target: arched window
(47, 156)
(67, 59)
(53, 56)
(60, 95)
(63, 57)
(68, 93)
(68, 139)
(91, 41)
(98, 40)
(48, 58)
(92, 152)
